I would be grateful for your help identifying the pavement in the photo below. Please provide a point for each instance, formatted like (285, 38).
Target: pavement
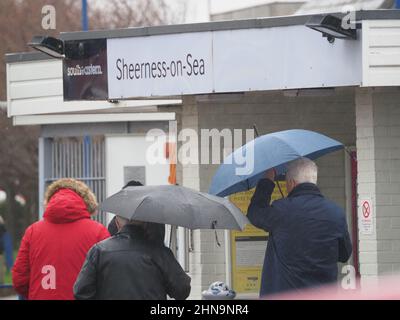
(9, 298)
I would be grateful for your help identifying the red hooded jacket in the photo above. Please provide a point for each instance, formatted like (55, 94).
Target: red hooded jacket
(53, 250)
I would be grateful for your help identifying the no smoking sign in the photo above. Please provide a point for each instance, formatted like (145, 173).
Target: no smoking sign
(365, 216)
(366, 209)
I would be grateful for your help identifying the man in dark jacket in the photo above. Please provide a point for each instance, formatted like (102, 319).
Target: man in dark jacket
(131, 265)
(308, 234)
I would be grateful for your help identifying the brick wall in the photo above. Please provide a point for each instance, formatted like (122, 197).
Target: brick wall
(379, 136)
(378, 144)
(366, 176)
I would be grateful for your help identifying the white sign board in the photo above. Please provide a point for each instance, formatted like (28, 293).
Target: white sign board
(160, 65)
(365, 216)
(230, 61)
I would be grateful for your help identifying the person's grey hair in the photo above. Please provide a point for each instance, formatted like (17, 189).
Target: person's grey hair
(302, 170)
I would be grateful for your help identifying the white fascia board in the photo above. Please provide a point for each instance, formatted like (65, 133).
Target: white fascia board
(54, 105)
(142, 103)
(380, 53)
(8, 90)
(92, 118)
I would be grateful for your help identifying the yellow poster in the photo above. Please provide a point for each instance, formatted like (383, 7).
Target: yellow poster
(248, 246)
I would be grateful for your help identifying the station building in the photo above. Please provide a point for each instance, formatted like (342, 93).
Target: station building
(274, 73)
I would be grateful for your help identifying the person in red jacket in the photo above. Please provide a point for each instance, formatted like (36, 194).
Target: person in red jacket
(53, 250)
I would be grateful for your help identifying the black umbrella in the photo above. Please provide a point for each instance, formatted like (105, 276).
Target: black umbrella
(175, 205)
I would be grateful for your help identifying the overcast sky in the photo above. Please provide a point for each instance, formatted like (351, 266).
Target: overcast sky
(199, 10)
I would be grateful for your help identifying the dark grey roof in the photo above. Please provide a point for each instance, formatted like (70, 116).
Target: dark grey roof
(199, 27)
(218, 25)
(186, 28)
(26, 56)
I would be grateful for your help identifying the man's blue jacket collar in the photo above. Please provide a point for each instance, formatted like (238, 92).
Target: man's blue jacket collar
(305, 188)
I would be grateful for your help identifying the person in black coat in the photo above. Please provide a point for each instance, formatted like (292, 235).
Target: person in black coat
(155, 230)
(132, 265)
(112, 226)
(308, 233)
(2, 233)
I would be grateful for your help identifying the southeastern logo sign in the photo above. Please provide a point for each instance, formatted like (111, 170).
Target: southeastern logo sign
(85, 70)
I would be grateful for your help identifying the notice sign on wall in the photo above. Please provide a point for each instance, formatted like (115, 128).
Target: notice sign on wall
(365, 216)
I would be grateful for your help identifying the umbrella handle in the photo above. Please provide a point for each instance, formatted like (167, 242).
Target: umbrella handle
(280, 189)
(191, 245)
(350, 154)
(214, 223)
(255, 130)
(170, 237)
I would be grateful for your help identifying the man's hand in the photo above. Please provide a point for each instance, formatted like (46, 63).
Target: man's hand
(270, 174)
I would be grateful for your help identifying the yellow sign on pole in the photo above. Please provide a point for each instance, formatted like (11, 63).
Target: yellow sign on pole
(248, 246)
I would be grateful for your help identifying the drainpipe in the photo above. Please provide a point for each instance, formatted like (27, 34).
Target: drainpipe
(85, 20)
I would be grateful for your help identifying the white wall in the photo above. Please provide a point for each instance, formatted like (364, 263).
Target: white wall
(378, 144)
(36, 87)
(130, 150)
(381, 54)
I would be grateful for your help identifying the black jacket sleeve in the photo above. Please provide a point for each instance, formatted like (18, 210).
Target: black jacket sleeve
(345, 246)
(2, 232)
(260, 213)
(86, 283)
(177, 282)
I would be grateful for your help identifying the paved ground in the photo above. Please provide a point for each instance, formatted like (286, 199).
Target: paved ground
(9, 298)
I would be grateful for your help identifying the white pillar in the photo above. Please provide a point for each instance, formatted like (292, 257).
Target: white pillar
(378, 151)
(368, 254)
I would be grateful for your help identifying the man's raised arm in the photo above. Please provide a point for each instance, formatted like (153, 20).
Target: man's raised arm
(260, 213)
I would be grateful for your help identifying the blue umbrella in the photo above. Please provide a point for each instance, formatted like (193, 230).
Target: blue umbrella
(272, 150)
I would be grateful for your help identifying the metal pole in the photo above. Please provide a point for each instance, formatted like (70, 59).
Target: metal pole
(86, 157)
(85, 20)
(41, 176)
